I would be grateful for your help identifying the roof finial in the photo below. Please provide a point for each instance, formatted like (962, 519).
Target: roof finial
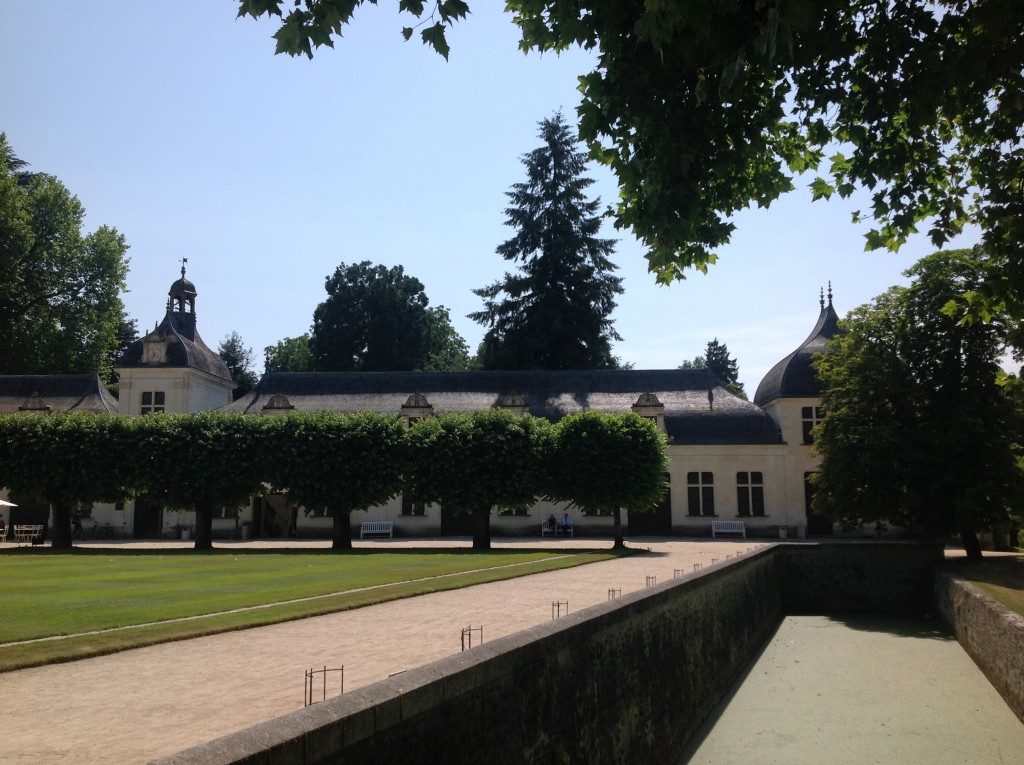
(183, 262)
(821, 297)
(829, 293)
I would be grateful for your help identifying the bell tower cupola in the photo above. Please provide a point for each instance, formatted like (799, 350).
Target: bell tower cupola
(181, 304)
(171, 369)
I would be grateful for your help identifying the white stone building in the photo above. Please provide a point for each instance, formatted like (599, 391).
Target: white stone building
(729, 459)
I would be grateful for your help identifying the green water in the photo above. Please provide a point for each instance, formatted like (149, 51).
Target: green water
(856, 690)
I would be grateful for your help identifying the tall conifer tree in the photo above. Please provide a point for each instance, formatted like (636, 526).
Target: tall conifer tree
(554, 313)
(718, 360)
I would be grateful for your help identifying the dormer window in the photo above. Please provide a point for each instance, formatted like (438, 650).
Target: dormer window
(278, 403)
(35, 403)
(416, 408)
(649, 406)
(513, 402)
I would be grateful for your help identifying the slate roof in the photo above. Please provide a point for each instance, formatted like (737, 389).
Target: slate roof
(185, 348)
(689, 418)
(183, 286)
(79, 393)
(793, 377)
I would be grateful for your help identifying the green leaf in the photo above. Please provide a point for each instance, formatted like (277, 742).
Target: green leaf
(874, 240)
(415, 7)
(452, 10)
(435, 38)
(257, 8)
(821, 188)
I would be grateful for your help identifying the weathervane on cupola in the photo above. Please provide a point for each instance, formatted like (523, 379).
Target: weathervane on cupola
(181, 299)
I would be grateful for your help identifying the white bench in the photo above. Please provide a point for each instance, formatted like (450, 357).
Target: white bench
(376, 527)
(545, 530)
(26, 534)
(728, 527)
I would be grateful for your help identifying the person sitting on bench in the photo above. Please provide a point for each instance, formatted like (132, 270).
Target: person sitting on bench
(566, 524)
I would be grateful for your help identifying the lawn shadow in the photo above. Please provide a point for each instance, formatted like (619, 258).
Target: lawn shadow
(922, 626)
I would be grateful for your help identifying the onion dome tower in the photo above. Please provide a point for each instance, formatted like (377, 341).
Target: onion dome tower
(791, 395)
(794, 377)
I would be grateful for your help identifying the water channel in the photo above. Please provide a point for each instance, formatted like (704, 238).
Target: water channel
(860, 689)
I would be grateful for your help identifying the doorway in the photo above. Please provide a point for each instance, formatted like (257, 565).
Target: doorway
(148, 520)
(817, 525)
(656, 522)
(455, 524)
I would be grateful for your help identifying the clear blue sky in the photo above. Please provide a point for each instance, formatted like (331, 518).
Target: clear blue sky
(177, 124)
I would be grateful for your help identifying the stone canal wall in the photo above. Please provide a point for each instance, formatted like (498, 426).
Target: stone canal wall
(629, 680)
(990, 633)
(858, 577)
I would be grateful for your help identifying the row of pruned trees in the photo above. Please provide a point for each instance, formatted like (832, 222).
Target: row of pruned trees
(469, 463)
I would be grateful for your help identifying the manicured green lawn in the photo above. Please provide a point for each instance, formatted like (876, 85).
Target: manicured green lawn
(1000, 578)
(44, 594)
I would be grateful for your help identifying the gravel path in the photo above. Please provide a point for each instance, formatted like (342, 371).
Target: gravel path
(137, 705)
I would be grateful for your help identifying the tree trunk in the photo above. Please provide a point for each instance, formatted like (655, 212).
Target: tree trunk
(60, 531)
(482, 528)
(971, 544)
(204, 528)
(341, 539)
(620, 543)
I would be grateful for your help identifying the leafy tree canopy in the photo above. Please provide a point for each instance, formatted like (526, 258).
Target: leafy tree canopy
(607, 462)
(375, 319)
(553, 314)
(127, 334)
(312, 23)
(67, 459)
(338, 462)
(448, 351)
(202, 462)
(703, 108)
(60, 304)
(473, 462)
(289, 355)
(240, 363)
(917, 431)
